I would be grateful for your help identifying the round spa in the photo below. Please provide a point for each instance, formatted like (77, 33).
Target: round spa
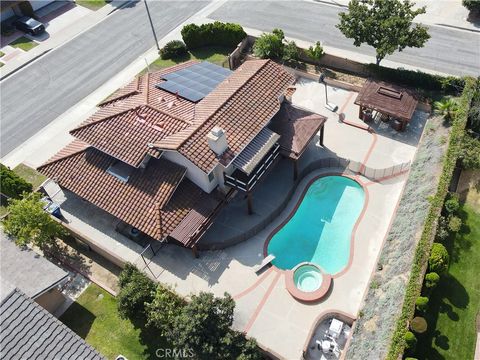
(307, 282)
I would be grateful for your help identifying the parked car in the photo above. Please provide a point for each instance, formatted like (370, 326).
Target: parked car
(29, 25)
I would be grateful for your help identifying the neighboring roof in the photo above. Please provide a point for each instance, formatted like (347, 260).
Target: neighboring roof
(241, 105)
(261, 144)
(27, 331)
(389, 99)
(26, 270)
(137, 202)
(296, 128)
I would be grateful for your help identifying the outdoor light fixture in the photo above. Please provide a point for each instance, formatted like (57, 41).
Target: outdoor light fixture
(329, 106)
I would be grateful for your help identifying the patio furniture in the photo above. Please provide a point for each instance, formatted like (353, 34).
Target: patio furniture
(264, 263)
(384, 118)
(335, 328)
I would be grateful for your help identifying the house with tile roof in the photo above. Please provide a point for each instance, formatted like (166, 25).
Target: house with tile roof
(164, 153)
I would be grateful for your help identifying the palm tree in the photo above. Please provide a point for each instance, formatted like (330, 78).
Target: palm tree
(446, 108)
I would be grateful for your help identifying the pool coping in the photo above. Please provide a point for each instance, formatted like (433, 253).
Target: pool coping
(299, 201)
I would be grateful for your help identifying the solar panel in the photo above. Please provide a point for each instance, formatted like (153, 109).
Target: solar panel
(194, 82)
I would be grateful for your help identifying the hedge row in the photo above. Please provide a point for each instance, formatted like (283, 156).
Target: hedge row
(11, 184)
(447, 84)
(422, 251)
(212, 34)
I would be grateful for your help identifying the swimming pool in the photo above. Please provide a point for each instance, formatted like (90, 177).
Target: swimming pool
(320, 229)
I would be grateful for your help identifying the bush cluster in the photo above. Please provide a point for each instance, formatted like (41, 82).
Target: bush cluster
(422, 251)
(13, 185)
(431, 280)
(173, 49)
(421, 303)
(274, 46)
(203, 324)
(439, 258)
(418, 79)
(212, 34)
(472, 5)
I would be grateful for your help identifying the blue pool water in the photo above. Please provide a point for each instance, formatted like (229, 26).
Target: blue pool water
(321, 228)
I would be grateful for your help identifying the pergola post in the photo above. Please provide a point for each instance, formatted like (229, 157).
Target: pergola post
(195, 251)
(360, 111)
(249, 202)
(322, 130)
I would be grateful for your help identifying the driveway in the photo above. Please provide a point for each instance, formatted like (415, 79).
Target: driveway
(35, 96)
(449, 51)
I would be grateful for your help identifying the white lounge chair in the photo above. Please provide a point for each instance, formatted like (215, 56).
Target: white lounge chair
(264, 263)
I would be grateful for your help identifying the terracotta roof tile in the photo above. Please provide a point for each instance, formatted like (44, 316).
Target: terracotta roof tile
(296, 128)
(136, 202)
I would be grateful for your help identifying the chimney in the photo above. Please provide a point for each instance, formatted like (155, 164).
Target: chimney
(217, 140)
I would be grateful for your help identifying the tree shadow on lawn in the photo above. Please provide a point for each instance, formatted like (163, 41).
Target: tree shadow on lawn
(151, 339)
(458, 244)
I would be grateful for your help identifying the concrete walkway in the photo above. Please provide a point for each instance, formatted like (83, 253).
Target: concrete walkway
(59, 34)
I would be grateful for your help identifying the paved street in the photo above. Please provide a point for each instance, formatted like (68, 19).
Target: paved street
(449, 50)
(36, 95)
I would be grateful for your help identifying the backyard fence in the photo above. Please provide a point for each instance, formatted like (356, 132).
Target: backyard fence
(357, 168)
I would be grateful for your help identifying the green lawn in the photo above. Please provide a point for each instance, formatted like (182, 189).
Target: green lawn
(456, 302)
(95, 318)
(213, 54)
(91, 4)
(29, 174)
(1, 53)
(23, 43)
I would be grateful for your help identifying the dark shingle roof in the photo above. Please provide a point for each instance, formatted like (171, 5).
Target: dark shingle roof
(27, 331)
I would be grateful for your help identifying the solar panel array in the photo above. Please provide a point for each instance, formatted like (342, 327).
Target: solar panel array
(194, 82)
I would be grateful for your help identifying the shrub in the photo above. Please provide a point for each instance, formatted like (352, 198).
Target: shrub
(418, 325)
(438, 261)
(470, 152)
(290, 51)
(315, 53)
(212, 34)
(442, 229)
(448, 84)
(13, 185)
(126, 275)
(30, 224)
(410, 340)
(163, 310)
(173, 49)
(452, 204)
(269, 46)
(431, 280)
(135, 294)
(445, 108)
(472, 5)
(454, 224)
(421, 304)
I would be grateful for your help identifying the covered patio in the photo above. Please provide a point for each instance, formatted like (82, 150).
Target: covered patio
(392, 103)
(289, 133)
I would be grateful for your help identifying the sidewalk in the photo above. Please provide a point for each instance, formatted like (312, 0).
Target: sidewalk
(58, 38)
(450, 13)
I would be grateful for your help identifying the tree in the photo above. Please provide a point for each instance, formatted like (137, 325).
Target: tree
(410, 340)
(162, 312)
(28, 223)
(472, 5)
(445, 108)
(204, 326)
(421, 303)
(134, 294)
(290, 51)
(470, 152)
(11, 184)
(386, 25)
(452, 204)
(454, 224)
(269, 46)
(439, 258)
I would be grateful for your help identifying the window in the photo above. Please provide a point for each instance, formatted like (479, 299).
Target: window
(211, 176)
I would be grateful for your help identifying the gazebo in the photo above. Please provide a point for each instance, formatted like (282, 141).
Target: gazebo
(297, 127)
(392, 101)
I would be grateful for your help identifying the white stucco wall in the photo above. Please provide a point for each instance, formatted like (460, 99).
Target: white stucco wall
(194, 173)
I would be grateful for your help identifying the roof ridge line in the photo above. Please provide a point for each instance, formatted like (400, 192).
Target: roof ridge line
(109, 100)
(198, 125)
(153, 107)
(76, 152)
(82, 126)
